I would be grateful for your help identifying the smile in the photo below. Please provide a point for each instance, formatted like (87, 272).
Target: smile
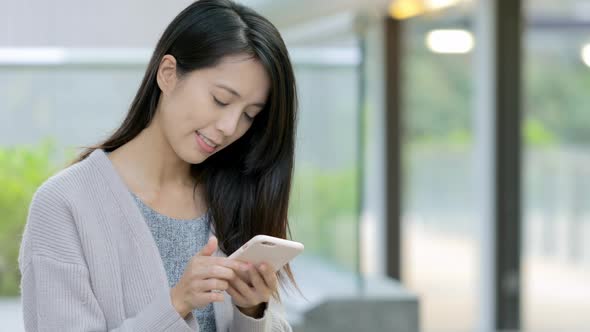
(207, 146)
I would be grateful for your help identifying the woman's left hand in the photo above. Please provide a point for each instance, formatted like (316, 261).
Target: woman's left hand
(252, 299)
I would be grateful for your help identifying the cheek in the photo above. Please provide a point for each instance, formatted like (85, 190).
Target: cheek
(178, 122)
(243, 130)
(176, 118)
(192, 111)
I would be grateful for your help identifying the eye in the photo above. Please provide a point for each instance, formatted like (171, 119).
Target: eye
(219, 102)
(248, 117)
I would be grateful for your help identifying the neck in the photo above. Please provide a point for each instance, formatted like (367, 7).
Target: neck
(150, 163)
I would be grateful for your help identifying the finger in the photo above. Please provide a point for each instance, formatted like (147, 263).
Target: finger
(215, 271)
(258, 282)
(269, 276)
(209, 248)
(210, 284)
(235, 294)
(242, 287)
(244, 276)
(233, 264)
(209, 297)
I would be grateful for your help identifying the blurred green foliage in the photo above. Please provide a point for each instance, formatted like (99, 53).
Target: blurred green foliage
(323, 212)
(556, 97)
(438, 99)
(22, 170)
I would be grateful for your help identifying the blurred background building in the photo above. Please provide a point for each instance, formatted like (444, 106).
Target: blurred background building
(443, 157)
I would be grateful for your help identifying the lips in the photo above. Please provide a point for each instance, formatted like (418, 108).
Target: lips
(207, 140)
(205, 143)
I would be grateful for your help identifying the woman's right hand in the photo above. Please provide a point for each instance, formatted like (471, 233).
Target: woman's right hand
(203, 274)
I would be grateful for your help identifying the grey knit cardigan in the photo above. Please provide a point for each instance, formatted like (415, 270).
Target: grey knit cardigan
(89, 262)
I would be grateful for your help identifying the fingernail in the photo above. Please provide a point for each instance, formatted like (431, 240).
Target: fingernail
(262, 267)
(245, 267)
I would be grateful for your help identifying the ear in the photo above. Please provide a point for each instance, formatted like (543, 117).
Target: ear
(166, 75)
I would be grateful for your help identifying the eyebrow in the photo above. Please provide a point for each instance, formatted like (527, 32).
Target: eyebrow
(235, 93)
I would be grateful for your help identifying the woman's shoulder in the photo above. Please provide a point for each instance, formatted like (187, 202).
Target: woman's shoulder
(70, 182)
(51, 229)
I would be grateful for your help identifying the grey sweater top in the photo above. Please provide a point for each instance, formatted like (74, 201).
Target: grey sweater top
(89, 262)
(178, 240)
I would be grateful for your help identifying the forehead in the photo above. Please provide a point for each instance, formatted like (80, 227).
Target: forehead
(242, 73)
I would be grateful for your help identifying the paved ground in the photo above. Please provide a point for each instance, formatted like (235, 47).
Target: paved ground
(10, 315)
(443, 270)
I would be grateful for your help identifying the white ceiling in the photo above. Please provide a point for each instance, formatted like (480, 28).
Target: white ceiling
(138, 23)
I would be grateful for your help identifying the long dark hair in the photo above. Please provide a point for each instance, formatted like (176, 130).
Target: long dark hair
(248, 183)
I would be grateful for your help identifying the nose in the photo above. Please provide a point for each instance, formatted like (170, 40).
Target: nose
(228, 122)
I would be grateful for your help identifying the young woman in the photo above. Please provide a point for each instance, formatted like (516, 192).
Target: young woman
(134, 234)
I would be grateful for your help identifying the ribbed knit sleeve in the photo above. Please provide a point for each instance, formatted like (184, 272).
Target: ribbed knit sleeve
(271, 321)
(56, 288)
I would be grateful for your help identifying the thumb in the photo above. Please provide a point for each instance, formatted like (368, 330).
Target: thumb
(209, 248)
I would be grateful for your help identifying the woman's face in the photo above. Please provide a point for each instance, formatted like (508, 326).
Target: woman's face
(208, 109)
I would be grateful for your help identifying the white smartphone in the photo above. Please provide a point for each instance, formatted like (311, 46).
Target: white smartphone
(273, 250)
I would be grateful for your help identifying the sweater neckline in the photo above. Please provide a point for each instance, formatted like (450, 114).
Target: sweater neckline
(180, 220)
(138, 227)
(130, 212)
(147, 206)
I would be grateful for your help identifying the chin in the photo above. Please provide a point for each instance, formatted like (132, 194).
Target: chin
(191, 156)
(197, 158)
